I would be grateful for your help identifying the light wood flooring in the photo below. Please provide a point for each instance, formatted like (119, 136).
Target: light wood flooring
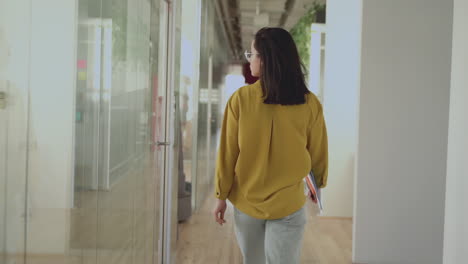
(202, 241)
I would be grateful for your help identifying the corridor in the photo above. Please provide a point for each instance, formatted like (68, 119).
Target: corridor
(111, 114)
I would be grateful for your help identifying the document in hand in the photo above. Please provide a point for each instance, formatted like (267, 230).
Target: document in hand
(312, 185)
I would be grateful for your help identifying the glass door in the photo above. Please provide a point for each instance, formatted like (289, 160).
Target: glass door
(121, 127)
(83, 131)
(172, 139)
(14, 94)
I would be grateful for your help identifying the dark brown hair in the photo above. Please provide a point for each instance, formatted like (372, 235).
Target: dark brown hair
(282, 75)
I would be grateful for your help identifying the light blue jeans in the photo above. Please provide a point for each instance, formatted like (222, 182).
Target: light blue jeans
(270, 241)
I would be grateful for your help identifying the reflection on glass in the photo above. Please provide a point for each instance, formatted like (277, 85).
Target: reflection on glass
(188, 86)
(102, 205)
(203, 57)
(213, 62)
(201, 178)
(14, 92)
(120, 114)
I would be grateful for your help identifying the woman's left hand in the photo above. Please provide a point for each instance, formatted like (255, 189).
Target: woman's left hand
(219, 211)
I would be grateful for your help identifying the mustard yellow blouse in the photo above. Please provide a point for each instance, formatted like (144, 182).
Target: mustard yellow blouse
(267, 150)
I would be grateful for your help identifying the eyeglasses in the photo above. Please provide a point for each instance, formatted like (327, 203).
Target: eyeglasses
(248, 55)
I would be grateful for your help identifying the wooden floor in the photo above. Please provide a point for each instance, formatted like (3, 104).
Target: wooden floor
(202, 241)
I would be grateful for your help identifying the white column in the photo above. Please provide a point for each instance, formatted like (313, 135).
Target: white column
(340, 102)
(456, 205)
(403, 130)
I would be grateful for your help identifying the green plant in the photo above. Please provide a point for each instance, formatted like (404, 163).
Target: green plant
(301, 32)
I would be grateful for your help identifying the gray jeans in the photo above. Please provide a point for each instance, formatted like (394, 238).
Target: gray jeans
(270, 241)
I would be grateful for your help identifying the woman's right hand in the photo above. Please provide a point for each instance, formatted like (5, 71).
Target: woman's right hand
(219, 211)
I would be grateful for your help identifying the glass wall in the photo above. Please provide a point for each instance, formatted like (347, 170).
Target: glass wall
(174, 160)
(120, 114)
(221, 58)
(188, 83)
(213, 62)
(14, 92)
(82, 130)
(109, 115)
(200, 58)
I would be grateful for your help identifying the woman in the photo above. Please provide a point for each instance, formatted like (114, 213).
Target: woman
(273, 135)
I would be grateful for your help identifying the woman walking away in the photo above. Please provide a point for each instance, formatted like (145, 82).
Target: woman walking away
(273, 135)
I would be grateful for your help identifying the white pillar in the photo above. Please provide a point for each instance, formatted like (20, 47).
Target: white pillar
(403, 131)
(456, 206)
(340, 102)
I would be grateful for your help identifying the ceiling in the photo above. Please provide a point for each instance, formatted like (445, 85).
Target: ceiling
(240, 17)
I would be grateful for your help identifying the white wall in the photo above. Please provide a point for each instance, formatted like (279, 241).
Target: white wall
(403, 130)
(340, 102)
(456, 206)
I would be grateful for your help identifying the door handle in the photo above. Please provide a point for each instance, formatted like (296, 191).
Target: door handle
(159, 143)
